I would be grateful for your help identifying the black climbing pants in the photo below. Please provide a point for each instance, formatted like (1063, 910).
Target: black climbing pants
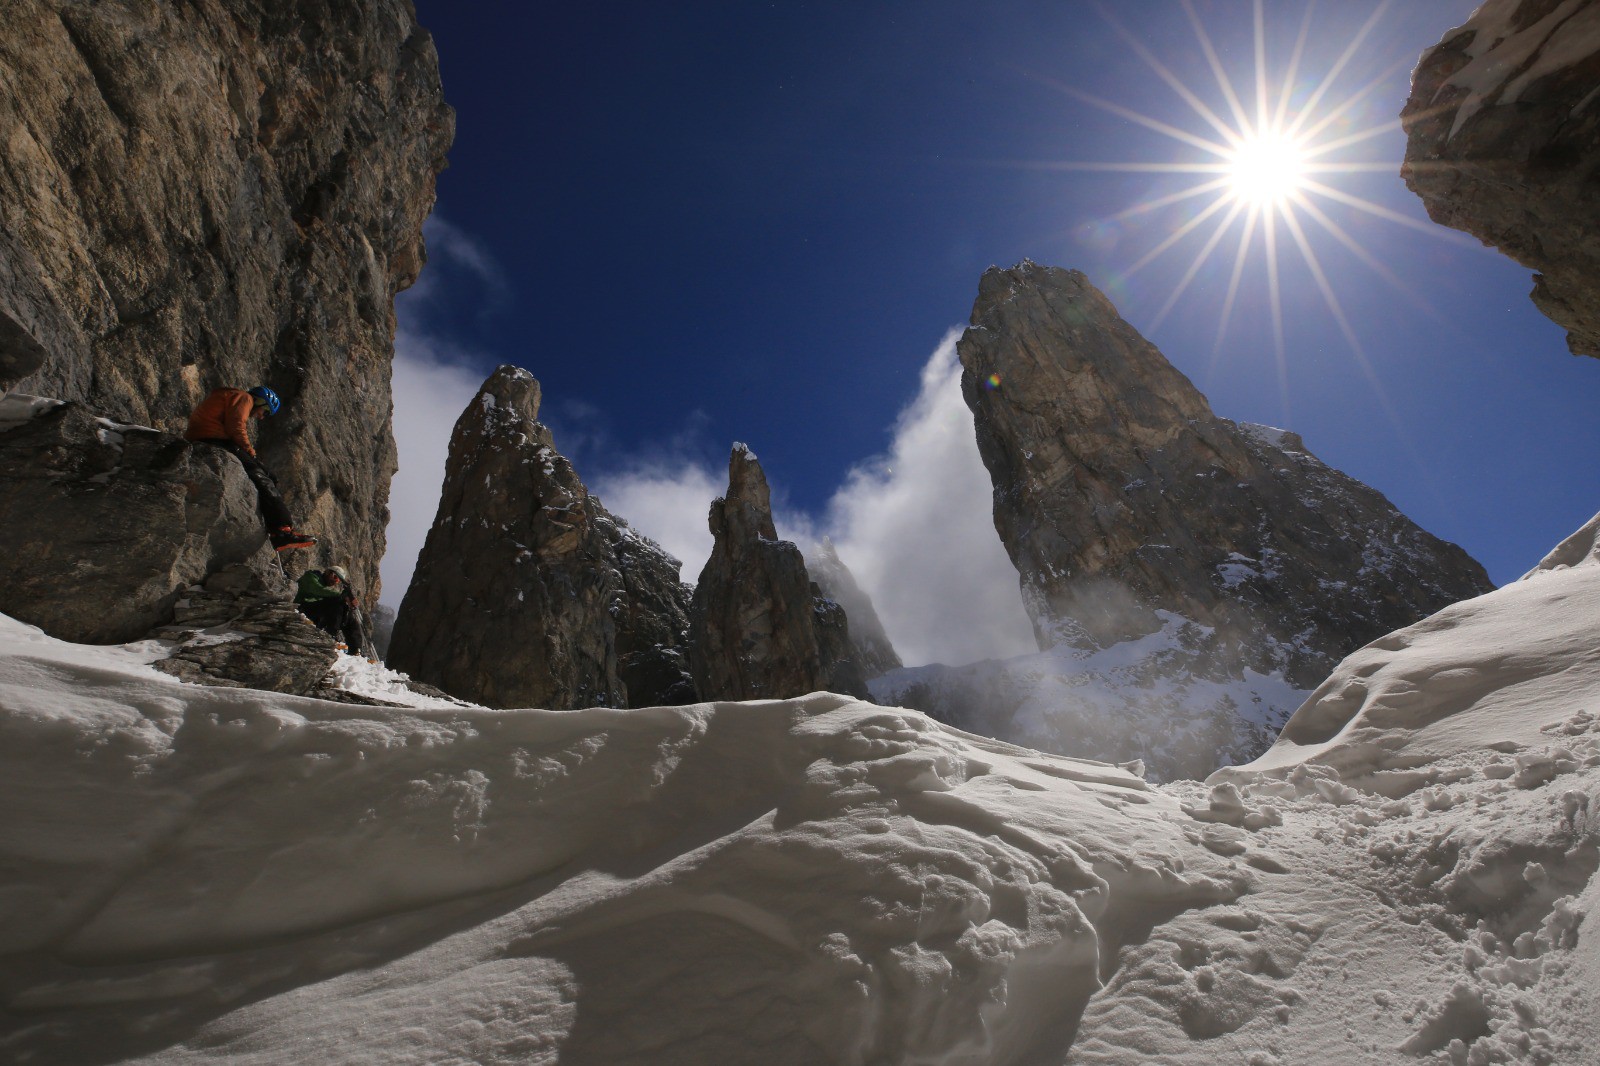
(273, 510)
(338, 619)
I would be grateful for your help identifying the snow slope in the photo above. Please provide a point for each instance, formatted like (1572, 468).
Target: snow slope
(225, 872)
(195, 875)
(1496, 671)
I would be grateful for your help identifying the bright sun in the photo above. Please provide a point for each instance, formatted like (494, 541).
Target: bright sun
(1267, 169)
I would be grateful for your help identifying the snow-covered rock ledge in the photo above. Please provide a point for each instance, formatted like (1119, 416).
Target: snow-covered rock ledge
(806, 881)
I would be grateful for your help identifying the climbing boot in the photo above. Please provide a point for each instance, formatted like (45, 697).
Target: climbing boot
(286, 539)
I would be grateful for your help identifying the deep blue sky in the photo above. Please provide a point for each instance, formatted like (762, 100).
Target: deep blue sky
(719, 221)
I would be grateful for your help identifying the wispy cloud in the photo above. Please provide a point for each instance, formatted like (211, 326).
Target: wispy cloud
(456, 256)
(432, 386)
(915, 527)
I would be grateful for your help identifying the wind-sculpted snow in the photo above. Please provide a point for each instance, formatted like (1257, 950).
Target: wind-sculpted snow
(1492, 671)
(1409, 876)
(1447, 780)
(195, 873)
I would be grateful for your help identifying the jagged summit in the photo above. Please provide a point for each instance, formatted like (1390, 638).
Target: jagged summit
(759, 627)
(751, 633)
(746, 508)
(1119, 493)
(511, 393)
(527, 592)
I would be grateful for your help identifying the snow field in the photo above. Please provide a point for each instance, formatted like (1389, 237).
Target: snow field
(195, 875)
(205, 873)
(1438, 920)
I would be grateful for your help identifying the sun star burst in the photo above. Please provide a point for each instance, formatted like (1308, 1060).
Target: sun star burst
(1265, 160)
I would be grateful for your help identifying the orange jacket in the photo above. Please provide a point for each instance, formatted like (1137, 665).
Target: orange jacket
(225, 414)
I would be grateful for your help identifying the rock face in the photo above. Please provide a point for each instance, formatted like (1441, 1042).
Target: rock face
(222, 192)
(1119, 494)
(264, 641)
(20, 354)
(652, 617)
(1504, 143)
(759, 628)
(527, 593)
(121, 533)
(870, 646)
(107, 523)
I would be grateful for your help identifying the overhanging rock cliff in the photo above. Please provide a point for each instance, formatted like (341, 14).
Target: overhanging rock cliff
(1119, 495)
(1503, 130)
(222, 192)
(528, 593)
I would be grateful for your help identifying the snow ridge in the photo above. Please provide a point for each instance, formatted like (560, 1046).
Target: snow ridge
(854, 883)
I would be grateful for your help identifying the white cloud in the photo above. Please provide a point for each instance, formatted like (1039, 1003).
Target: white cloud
(915, 527)
(668, 504)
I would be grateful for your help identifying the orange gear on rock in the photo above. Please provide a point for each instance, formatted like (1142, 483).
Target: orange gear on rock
(223, 415)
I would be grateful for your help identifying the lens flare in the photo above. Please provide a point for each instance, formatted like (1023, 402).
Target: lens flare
(992, 383)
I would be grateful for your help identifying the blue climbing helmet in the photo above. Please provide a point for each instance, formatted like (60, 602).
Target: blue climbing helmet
(269, 397)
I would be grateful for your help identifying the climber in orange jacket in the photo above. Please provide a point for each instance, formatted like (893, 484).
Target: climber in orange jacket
(223, 419)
